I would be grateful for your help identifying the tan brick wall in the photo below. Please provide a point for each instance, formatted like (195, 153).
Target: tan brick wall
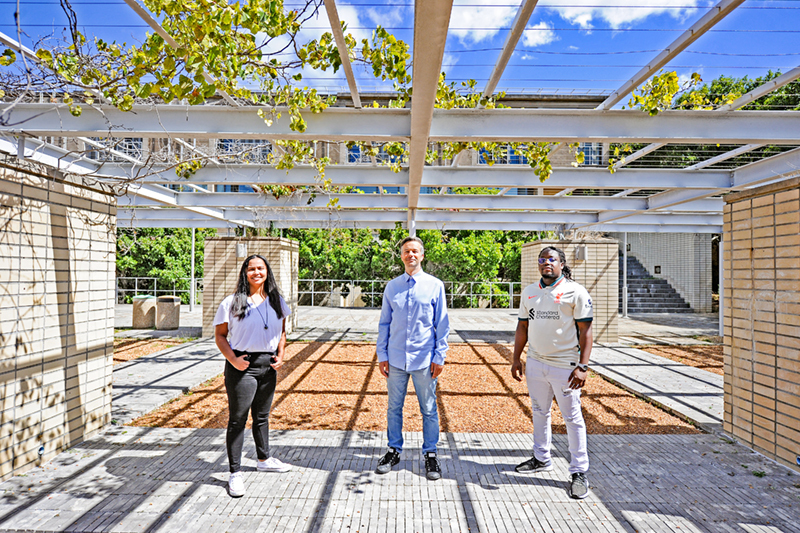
(222, 267)
(599, 274)
(762, 319)
(57, 265)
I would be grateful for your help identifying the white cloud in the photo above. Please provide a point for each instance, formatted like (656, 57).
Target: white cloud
(538, 35)
(573, 47)
(450, 60)
(585, 13)
(387, 16)
(469, 19)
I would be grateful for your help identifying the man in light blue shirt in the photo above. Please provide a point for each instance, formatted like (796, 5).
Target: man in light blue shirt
(412, 342)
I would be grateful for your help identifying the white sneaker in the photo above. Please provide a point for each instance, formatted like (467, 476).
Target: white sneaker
(272, 465)
(236, 485)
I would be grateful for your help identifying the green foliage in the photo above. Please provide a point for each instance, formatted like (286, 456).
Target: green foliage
(161, 253)
(658, 93)
(449, 255)
(727, 88)
(720, 91)
(7, 57)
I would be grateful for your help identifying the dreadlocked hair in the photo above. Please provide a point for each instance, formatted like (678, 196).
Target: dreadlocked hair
(239, 307)
(565, 270)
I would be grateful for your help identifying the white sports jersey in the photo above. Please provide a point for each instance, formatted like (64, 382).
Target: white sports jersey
(552, 312)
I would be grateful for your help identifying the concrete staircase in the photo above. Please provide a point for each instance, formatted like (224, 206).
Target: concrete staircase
(647, 294)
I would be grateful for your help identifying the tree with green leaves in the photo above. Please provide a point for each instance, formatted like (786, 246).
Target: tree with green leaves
(164, 254)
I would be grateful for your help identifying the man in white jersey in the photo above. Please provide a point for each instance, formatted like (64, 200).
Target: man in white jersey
(555, 316)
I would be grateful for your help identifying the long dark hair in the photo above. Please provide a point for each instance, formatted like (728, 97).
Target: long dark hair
(567, 271)
(239, 306)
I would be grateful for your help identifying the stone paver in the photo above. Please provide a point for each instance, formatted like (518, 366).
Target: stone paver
(692, 393)
(152, 380)
(147, 479)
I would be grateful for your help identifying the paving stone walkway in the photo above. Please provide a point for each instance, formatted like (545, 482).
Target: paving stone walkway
(152, 380)
(692, 393)
(163, 480)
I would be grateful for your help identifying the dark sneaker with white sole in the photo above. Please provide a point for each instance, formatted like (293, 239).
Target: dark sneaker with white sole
(432, 469)
(533, 465)
(388, 461)
(579, 486)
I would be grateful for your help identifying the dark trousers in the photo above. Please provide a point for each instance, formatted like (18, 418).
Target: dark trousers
(249, 390)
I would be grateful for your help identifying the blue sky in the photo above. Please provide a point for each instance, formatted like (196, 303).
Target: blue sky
(571, 45)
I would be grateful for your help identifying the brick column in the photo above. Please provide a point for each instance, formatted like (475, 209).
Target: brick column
(599, 273)
(762, 319)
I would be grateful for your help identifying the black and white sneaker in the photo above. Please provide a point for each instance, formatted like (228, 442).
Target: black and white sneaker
(533, 465)
(388, 461)
(579, 486)
(432, 469)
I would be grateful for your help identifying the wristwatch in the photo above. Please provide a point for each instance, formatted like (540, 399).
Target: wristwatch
(583, 367)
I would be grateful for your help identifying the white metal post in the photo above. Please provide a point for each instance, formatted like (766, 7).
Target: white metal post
(625, 274)
(192, 289)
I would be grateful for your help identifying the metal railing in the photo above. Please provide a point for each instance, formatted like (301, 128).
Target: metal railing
(128, 287)
(339, 292)
(369, 293)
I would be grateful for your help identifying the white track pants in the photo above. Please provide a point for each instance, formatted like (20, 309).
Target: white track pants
(544, 382)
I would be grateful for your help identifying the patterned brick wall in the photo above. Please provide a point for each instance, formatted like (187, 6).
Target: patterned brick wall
(762, 319)
(57, 265)
(685, 261)
(222, 272)
(599, 273)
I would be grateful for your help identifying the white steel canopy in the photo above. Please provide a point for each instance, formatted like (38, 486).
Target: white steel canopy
(638, 199)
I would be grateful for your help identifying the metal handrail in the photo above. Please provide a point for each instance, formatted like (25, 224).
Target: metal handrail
(150, 286)
(461, 294)
(320, 292)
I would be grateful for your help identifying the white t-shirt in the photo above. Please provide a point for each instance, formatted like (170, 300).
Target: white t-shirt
(552, 313)
(249, 334)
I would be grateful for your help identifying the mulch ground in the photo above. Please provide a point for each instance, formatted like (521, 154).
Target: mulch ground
(338, 386)
(130, 349)
(700, 356)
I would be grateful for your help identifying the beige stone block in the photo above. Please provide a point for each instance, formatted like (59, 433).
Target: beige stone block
(787, 196)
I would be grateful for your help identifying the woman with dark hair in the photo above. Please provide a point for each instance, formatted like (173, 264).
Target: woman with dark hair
(250, 332)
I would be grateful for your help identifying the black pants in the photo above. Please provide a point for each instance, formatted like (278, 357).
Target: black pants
(249, 390)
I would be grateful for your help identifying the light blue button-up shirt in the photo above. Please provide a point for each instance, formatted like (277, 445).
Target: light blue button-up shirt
(413, 329)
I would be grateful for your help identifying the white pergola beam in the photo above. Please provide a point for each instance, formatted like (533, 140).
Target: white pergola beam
(783, 166)
(436, 201)
(724, 157)
(706, 22)
(431, 20)
(777, 167)
(15, 45)
(428, 216)
(740, 102)
(638, 154)
(341, 46)
(343, 124)
(482, 176)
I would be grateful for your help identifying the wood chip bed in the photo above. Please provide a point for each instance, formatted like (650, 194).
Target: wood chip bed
(699, 356)
(128, 349)
(338, 386)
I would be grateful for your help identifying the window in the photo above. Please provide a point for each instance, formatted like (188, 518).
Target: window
(592, 154)
(356, 155)
(509, 157)
(130, 146)
(245, 151)
(234, 188)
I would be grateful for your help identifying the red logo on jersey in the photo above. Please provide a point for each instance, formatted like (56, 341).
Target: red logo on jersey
(558, 297)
